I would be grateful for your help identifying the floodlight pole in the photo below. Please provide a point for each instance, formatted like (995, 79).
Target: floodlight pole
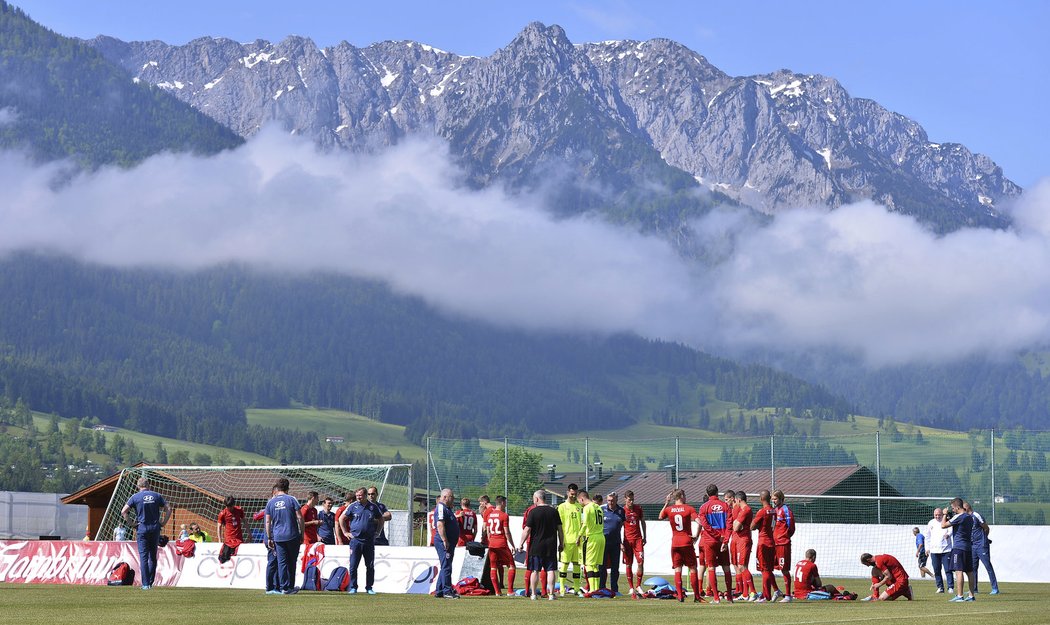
(878, 477)
(991, 445)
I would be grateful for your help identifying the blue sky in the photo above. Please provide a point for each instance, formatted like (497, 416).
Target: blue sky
(976, 73)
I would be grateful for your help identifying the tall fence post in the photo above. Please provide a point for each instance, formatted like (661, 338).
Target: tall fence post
(586, 463)
(772, 465)
(426, 510)
(878, 478)
(677, 465)
(506, 469)
(991, 455)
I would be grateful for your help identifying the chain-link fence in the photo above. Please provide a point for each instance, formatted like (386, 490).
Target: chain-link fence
(896, 475)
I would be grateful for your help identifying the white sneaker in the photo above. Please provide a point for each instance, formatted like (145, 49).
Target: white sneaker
(777, 595)
(632, 593)
(550, 597)
(787, 599)
(533, 596)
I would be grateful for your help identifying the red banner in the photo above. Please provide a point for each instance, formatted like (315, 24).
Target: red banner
(79, 562)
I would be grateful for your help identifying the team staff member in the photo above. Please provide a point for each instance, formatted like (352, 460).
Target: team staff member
(373, 496)
(613, 514)
(495, 531)
(326, 530)
(681, 516)
(543, 534)
(633, 542)
(446, 536)
(962, 544)
(359, 522)
(894, 577)
(284, 534)
(151, 514)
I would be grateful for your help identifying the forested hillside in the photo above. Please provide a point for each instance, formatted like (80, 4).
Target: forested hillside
(182, 354)
(60, 97)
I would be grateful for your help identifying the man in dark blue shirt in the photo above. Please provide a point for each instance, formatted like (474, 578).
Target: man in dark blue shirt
(373, 496)
(359, 522)
(614, 518)
(446, 535)
(980, 548)
(284, 535)
(962, 558)
(326, 530)
(151, 514)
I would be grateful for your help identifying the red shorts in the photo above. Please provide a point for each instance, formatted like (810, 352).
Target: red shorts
(783, 558)
(899, 588)
(500, 556)
(633, 551)
(740, 551)
(765, 557)
(683, 556)
(712, 555)
(464, 539)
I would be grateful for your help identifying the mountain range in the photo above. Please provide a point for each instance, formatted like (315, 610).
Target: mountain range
(642, 133)
(615, 115)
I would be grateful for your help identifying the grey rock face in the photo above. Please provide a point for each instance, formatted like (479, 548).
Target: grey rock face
(620, 114)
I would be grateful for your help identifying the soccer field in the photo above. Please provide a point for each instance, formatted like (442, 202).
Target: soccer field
(1020, 604)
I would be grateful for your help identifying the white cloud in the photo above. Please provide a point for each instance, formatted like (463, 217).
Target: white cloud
(859, 278)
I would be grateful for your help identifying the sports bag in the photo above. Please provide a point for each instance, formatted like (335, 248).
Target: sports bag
(340, 579)
(121, 575)
(312, 578)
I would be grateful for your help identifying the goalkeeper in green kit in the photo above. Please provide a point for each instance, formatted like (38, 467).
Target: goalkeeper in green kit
(570, 512)
(593, 541)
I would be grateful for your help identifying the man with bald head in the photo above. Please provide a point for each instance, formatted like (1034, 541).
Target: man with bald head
(446, 535)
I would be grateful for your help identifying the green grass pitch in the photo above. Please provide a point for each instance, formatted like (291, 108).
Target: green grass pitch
(1020, 604)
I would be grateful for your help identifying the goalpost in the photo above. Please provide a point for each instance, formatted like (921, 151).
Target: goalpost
(197, 494)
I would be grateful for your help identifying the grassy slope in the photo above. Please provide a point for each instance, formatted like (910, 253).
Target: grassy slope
(1021, 604)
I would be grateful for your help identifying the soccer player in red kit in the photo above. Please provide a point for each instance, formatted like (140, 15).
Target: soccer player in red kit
(807, 578)
(714, 540)
(783, 530)
(340, 537)
(468, 522)
(681, 516)
(633, 545)
(894, 577)
(740, 547)
(765, 550)
(495, 527)
(229, 525)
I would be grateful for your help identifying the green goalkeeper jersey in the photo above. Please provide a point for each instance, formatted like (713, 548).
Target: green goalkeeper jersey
(593, 520)
(570, 514)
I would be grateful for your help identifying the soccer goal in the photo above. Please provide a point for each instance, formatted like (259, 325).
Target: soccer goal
(197, 494)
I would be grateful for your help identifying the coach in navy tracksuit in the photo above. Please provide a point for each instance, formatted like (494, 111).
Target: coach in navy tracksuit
(148, 506)
(284, 535)
(446, 535)
(359, 521)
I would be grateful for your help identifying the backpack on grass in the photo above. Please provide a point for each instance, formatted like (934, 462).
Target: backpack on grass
(121, 575)
(339, 581)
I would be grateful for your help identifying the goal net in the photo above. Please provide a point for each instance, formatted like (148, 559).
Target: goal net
(197, 494)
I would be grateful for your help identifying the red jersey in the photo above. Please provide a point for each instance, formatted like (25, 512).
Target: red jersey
(309, 531)
(715, 524)
(744, 514)
(784, 528)
(681, 516)
(887, 562)
(632, 518)
(805, 578)
(763, 522)
(496, 527)
(338, 516)
(468, 525)
(231, 521)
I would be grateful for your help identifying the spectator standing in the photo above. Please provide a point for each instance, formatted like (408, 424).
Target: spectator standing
(151, 514)
(284, 534)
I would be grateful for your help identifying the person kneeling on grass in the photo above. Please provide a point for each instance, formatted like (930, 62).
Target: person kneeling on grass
(894, 579)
